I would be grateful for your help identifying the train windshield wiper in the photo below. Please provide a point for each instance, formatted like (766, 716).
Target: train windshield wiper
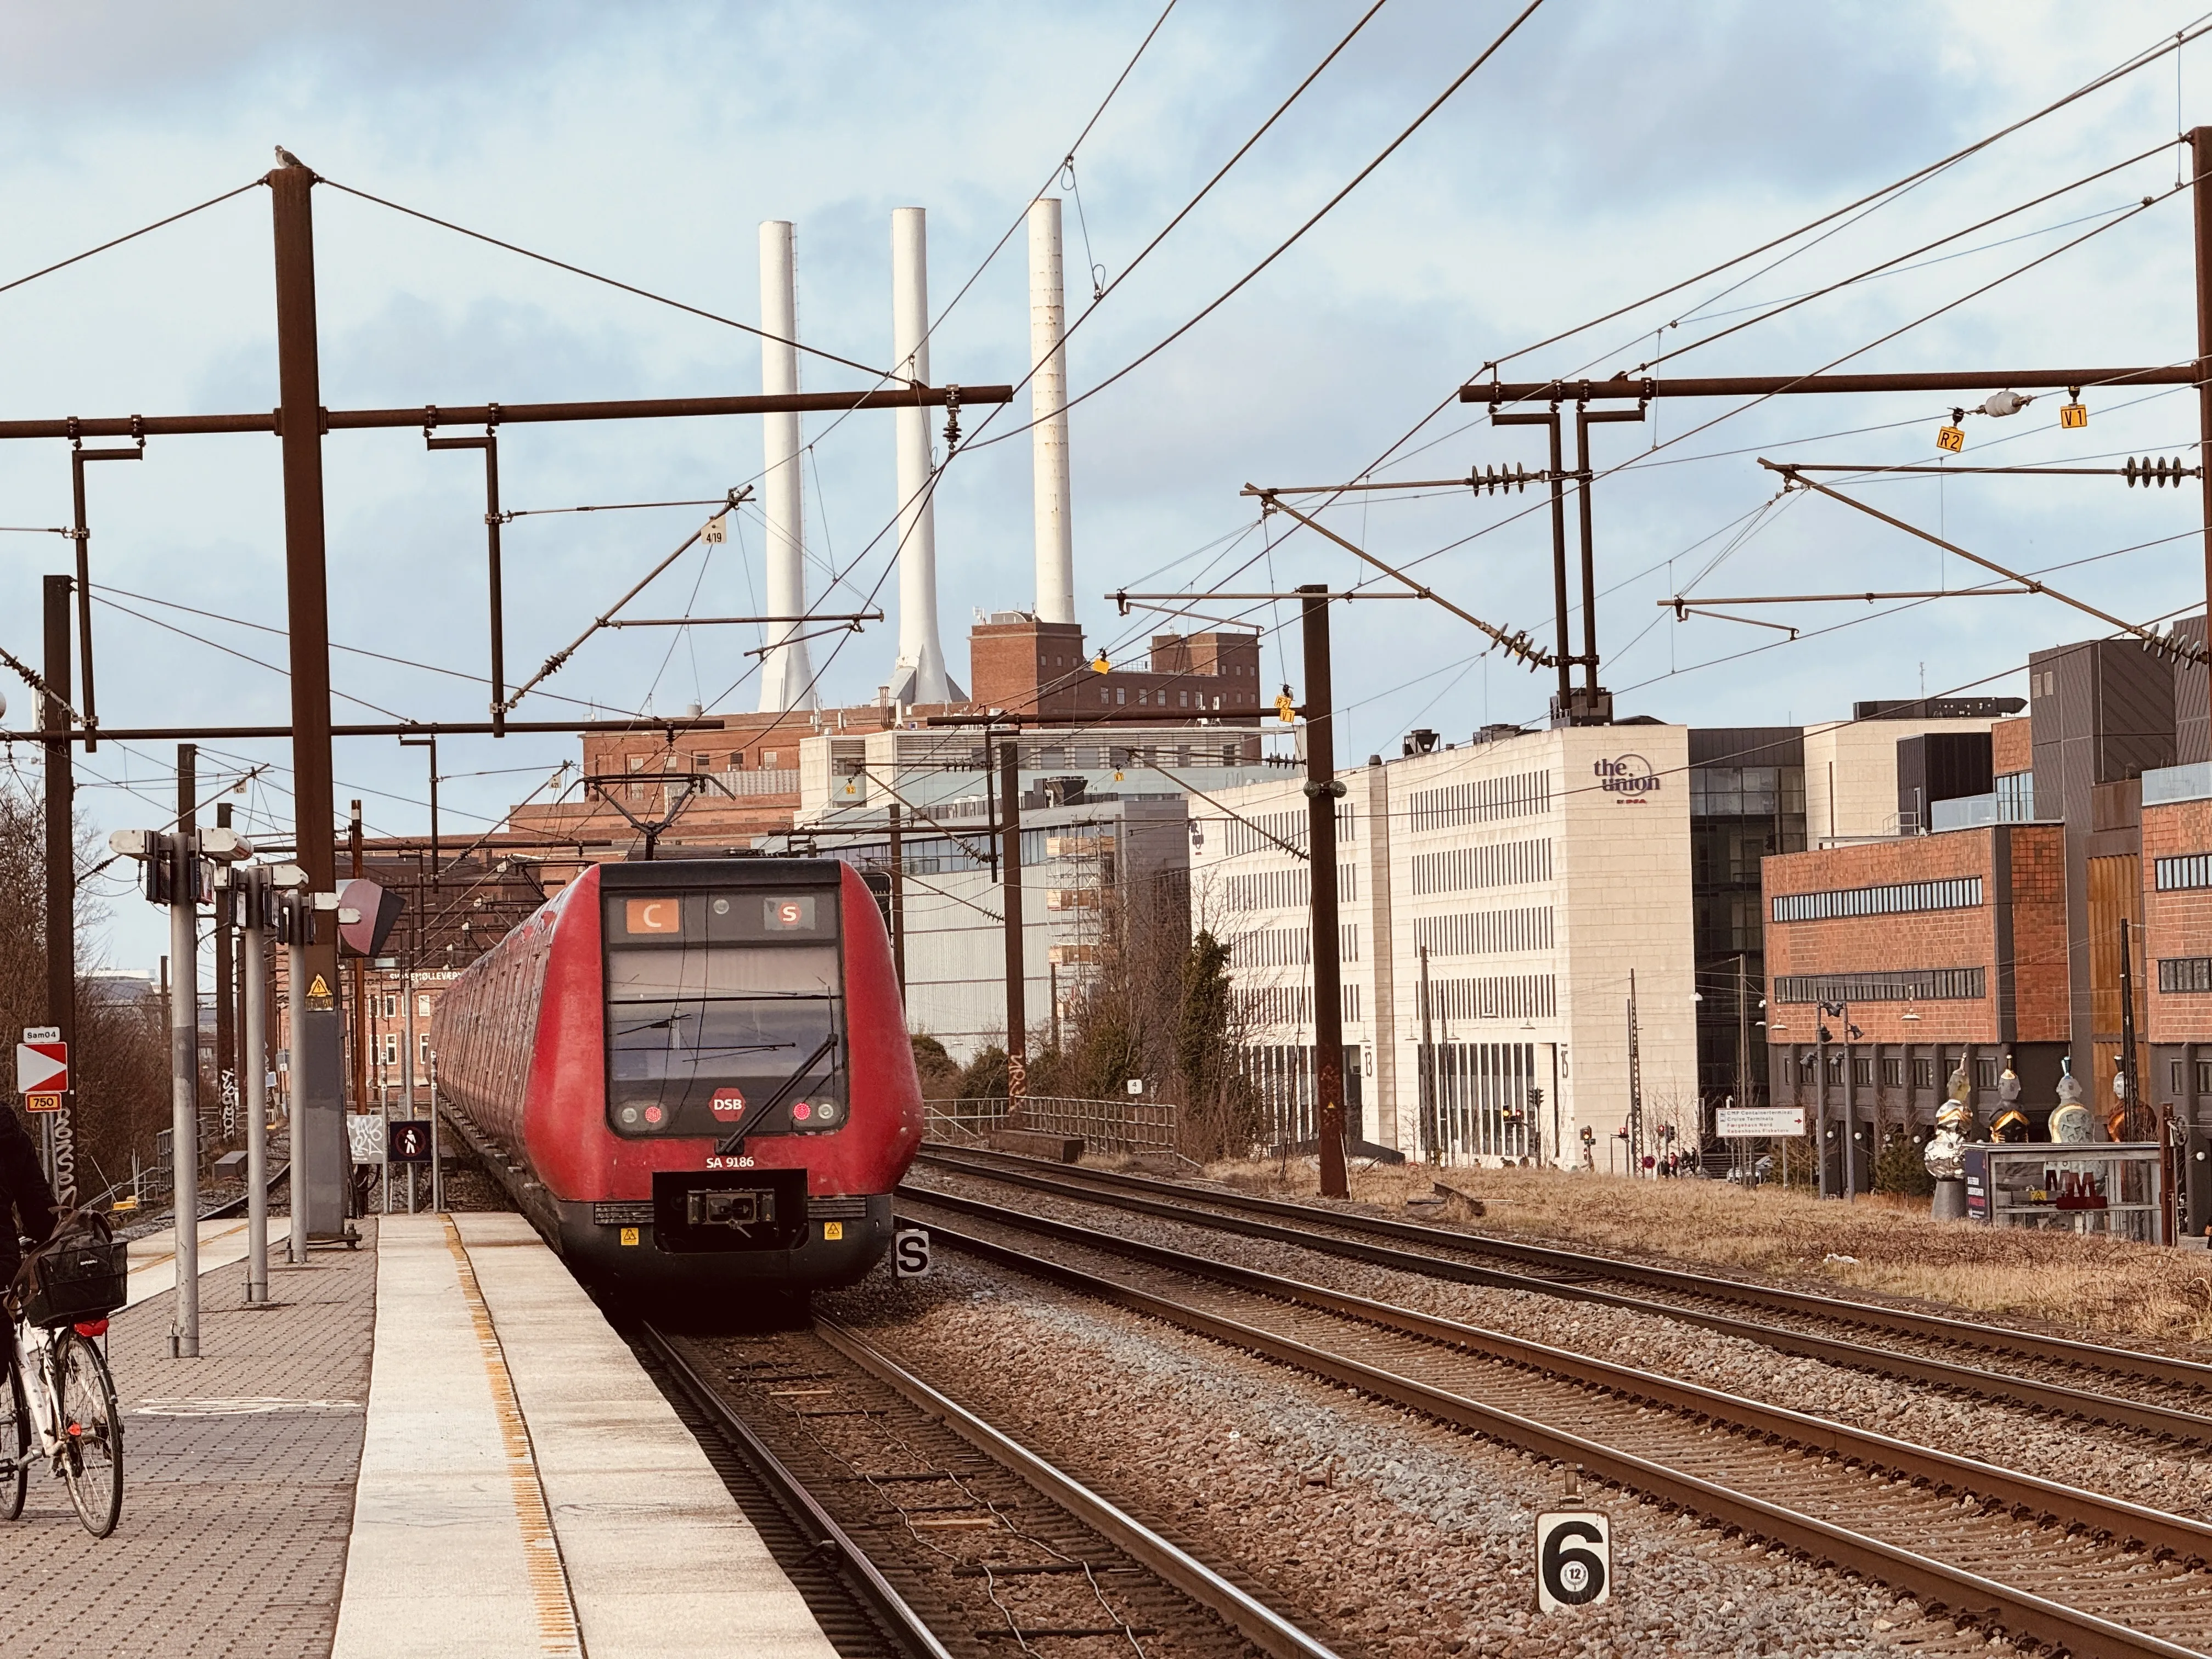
(736, 1138)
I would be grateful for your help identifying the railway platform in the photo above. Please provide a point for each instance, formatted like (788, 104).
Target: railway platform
(434, 1444)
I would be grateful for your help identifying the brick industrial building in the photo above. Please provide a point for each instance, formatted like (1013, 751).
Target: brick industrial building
(1987, 927)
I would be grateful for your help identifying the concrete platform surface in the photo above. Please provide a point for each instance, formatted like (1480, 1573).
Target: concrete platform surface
(525, 1488)
(223, 1243)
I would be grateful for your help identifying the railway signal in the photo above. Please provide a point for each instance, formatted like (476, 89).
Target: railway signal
(175, 871)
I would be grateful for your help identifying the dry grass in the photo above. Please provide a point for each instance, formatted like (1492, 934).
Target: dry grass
(2085, 1287)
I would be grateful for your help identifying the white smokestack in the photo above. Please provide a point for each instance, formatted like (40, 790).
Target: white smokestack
(786, 675)
(921, 675)
(1055, 532)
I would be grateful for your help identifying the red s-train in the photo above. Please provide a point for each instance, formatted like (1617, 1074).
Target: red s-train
(696, 1075)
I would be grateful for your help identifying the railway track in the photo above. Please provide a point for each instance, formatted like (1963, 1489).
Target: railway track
(2074, 1570)
(958, 1541)
(2165, 1396)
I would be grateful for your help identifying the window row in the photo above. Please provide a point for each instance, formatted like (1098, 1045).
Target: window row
(1292, 1004)
(1484, 800)
(2190, 870)
(1484, 933)
(1504, 864)
(1888, 985)
(1267, 832)
(1289, 947)
(1284, 889)
(1956, 893)
(1504, 996)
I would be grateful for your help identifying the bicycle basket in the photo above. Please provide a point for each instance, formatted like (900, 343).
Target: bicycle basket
(79, 1278)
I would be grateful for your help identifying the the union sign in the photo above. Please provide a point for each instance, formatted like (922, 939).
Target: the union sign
(1631, 778)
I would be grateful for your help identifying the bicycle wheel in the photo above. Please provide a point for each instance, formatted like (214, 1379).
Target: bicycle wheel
(93, 1465)
(14, 1439)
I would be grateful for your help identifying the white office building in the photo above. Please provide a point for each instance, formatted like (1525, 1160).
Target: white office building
(1497, 901)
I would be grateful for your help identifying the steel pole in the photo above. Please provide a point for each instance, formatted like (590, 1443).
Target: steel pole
(226, 989)
(182, 850)
(319, 1128)
(407, 1059)
(1322, 792)
(61, 877)
(1563, 650)
(296, 983)
(899, 901)
(254, 1065)
(1010, 893)
(437, 1167)
(2200, 147)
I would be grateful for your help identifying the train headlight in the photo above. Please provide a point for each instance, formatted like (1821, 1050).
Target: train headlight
(826, 1112)
(630, 1115)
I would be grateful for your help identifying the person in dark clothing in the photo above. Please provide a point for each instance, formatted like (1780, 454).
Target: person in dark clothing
(26, 1203)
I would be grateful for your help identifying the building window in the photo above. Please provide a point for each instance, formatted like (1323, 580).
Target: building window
(2177, 1077)
(1959, 893)
(423, 1003)
(1897, 985)
(767, 759)
(390, 1047)
(422, 1045)
(1893, 1074)
(1986, 1074)
(2185, 974)
(2016, 798)
(2192, 870)
(1805, 1065)
(391, 1005)
(1862, 1071)
(2204, 1077)
(1924, 1073)
(1835, 1068)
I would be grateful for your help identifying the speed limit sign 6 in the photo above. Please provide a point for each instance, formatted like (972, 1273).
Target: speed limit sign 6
(1574, 1559)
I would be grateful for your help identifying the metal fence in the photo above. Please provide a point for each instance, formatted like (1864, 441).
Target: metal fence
(1122, 1127)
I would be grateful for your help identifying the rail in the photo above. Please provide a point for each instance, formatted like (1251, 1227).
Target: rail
(1579, 1265)
(1126, 1128)
(1607, 1402)
(1186, 1580)
(1092, 1187)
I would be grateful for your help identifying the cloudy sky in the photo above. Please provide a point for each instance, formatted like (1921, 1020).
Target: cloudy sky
(1611, 147)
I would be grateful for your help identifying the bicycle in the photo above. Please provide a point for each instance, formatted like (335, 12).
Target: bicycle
(59, 1391)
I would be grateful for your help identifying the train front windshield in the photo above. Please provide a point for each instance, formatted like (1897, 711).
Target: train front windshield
(725, 1013)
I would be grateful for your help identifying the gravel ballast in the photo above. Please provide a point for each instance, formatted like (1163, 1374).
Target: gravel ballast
(2120, 1462)
(1388, 1533)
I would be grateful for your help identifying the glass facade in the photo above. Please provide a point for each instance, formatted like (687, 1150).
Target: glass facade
(1739, 815)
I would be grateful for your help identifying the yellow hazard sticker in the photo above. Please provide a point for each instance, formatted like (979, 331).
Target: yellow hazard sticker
(318, 987)
(833, 1230)
(629, 1236)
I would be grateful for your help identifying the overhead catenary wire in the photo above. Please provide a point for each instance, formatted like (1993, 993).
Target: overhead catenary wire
(129, 236)
(1280, 248)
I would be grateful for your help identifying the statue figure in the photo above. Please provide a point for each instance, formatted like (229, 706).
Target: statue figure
(1946, 1149)
(2069, 1119)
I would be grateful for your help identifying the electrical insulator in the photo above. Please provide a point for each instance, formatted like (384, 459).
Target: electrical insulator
(1491, 480)
(2153, 474)
(2005, 403)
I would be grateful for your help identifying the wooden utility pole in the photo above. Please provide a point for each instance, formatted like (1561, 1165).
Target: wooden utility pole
(1323, 791)
(1010, 895)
